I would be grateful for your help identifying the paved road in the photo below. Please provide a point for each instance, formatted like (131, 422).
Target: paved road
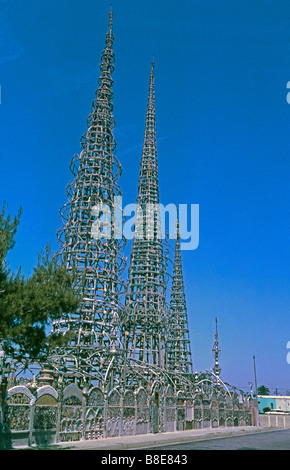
(269, 440)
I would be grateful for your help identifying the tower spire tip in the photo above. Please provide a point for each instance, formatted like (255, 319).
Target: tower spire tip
(111, 19)
(152, 65)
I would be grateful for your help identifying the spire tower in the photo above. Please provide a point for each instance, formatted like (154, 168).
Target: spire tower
(94, 256)
(216, 352)
(145, 303)
(179, 351)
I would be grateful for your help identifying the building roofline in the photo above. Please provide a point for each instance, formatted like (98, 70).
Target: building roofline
(274, 396)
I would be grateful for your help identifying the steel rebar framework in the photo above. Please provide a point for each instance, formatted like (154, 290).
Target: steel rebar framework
(178, 343)
(128, 351)
(146, 313)
(97, 261)
(216, 352)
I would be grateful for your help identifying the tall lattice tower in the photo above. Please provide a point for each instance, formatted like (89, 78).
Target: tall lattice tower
(179, 351)
(95, 255)
(216, 352)
(145, 302)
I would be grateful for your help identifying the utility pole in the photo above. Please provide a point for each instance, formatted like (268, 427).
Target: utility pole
(255, 376)
(256, 391)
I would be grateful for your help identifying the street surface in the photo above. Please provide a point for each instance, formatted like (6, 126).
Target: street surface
(269, 440)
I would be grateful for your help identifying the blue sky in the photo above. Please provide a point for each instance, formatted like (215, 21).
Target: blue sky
(223, 127)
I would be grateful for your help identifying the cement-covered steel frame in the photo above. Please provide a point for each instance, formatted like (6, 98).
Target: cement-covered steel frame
(123, 335)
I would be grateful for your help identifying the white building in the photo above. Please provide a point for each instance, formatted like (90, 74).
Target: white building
(283, 403)
(273, 402)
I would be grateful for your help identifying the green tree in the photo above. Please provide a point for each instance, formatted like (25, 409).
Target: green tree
(28, 305)
(263, 390)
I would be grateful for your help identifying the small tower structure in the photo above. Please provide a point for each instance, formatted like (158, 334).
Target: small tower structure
(216, 351)
(179, 350)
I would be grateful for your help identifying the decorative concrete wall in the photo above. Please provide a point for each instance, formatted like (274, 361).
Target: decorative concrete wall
(46, 416)
(275, 420)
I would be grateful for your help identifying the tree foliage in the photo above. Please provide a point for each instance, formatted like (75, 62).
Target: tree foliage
(28, 305)
(263, 390)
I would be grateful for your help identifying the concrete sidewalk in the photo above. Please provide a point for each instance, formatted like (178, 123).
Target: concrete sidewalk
(146, 441)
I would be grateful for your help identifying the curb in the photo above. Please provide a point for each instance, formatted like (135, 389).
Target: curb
(157, 440)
